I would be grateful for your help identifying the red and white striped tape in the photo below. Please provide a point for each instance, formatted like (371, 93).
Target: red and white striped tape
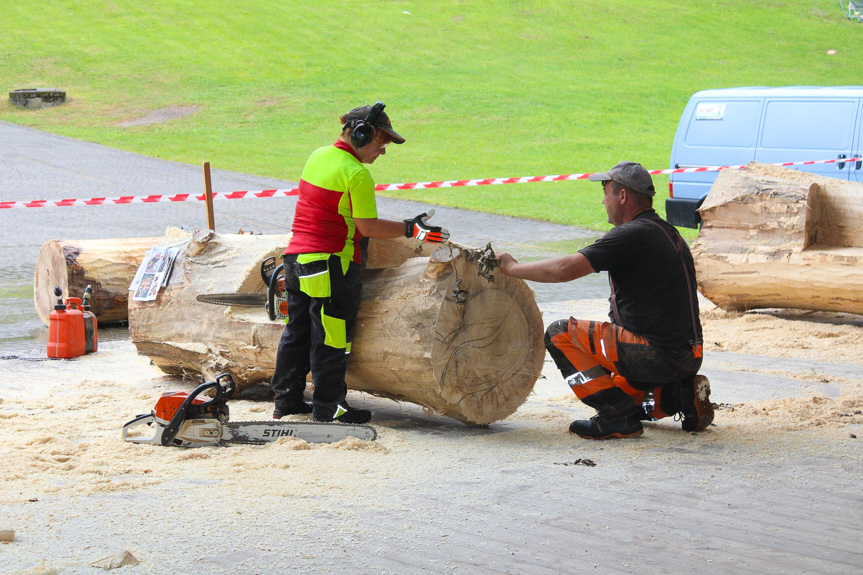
(239, 195)
(152, 199)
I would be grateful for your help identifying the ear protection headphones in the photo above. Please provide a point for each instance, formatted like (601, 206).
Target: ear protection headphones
(362, 131)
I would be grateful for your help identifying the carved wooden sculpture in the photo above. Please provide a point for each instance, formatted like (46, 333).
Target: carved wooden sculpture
(779, 238)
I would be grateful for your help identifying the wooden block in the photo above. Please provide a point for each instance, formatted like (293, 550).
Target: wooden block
(119, 559)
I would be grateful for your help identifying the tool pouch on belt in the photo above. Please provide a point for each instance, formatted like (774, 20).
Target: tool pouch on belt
(318, 274)
(313, 271)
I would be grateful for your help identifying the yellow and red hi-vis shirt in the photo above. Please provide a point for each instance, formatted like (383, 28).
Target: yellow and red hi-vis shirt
(335, 187)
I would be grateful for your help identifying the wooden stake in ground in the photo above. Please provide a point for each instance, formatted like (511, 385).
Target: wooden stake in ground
(430, 330)
(208, 190)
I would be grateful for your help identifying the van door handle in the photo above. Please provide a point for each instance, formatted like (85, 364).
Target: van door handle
(859, 163)
(841, 165)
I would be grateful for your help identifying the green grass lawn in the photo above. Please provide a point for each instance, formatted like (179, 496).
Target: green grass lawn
(483, 89)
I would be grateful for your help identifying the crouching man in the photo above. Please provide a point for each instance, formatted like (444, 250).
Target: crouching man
(642, 365)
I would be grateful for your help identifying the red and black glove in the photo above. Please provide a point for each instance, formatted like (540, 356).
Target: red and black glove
(420, 229)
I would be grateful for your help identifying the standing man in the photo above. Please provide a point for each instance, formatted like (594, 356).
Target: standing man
(335, 212)
(642, 365)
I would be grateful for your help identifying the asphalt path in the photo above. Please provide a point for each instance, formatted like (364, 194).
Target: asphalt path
(35, 165)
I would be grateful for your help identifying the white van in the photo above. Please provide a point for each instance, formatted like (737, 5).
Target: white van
(734, 126)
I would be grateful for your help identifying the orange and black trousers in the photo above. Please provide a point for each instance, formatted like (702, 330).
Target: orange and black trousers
(614, 370)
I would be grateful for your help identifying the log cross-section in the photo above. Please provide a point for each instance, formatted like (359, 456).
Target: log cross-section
(72, 265)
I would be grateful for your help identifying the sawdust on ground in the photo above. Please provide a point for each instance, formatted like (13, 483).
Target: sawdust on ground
(61, 420)
(831, 337)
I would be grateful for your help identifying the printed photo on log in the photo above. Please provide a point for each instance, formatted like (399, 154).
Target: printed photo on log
(153, 273)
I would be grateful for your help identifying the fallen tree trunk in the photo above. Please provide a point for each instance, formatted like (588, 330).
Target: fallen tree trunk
(779, 238)
(430, 330)
(110, 265)
(72, 265)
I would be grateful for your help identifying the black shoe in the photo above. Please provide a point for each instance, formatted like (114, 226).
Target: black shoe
(603, 427)
(342, 413)
(694, 401)
(291, 408)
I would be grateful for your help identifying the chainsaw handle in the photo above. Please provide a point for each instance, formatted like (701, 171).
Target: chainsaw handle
(227, 388)
(271, 291)
(173, 427)
(267, 267)
(148, 419)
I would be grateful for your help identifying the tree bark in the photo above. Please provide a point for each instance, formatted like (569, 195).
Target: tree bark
(430, 330)
(779, 238)
(108, 265)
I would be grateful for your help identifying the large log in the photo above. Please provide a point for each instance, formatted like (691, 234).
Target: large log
(779, 238)
(107, 265)
(430, 330)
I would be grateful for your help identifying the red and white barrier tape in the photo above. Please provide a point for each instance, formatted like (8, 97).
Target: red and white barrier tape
(153, 199)
(239, 195)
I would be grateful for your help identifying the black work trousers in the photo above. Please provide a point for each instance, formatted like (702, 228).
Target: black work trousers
(309, 343)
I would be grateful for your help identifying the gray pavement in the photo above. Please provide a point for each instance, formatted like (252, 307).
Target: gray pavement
(35, 165)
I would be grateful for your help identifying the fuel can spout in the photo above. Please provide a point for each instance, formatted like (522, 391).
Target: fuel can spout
(91, 326)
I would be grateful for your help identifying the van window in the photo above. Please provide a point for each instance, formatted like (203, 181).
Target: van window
(809, 125)
(724, 124)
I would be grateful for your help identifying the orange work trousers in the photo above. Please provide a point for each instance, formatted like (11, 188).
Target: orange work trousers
(613, 370)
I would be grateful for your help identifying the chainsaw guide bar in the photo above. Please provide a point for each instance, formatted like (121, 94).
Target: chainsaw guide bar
(259, 432)
(241, 299)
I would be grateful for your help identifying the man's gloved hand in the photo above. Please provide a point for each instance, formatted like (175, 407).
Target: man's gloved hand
(420, 229)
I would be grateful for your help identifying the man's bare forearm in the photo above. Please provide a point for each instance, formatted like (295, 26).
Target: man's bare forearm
(554, 270)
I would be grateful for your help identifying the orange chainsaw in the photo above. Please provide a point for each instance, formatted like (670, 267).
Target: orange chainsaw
(196, 420)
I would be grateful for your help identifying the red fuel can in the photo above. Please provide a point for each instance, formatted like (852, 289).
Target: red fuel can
(66, 328)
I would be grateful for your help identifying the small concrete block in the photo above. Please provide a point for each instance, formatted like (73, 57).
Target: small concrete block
(37, 97)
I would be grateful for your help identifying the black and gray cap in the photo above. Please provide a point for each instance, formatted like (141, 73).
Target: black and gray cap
(382, 122)
(630, 175)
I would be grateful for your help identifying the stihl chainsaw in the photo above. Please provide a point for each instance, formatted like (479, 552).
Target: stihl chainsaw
(275, 300)
(195, 420)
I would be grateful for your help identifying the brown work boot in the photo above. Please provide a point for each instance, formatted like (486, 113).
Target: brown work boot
(694, 401)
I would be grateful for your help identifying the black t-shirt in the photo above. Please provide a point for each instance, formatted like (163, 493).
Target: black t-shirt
(650, 289)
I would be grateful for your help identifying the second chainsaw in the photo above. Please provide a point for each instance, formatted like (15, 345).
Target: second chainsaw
(275, 300)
